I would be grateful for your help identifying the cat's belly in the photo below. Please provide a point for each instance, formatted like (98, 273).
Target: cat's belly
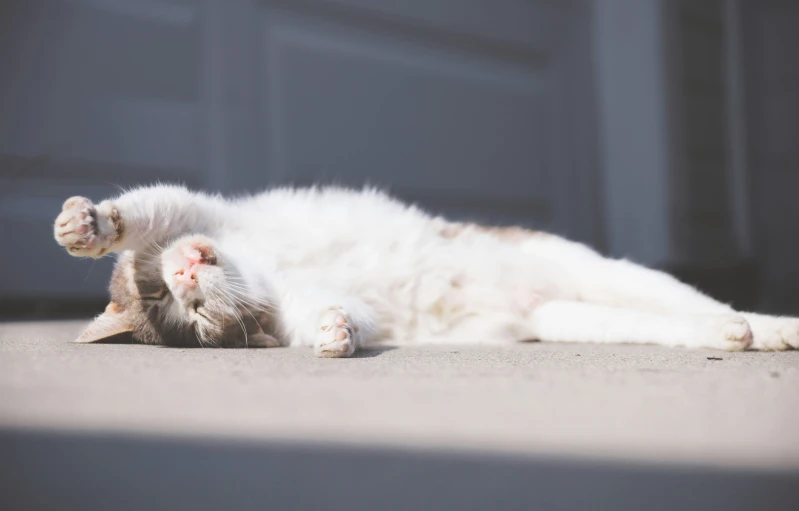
(452, 305)
(436, 291)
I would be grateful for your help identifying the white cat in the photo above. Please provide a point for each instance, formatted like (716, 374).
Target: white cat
(338, 269)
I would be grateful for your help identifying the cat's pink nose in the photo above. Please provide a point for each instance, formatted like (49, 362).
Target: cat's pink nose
(187, 276)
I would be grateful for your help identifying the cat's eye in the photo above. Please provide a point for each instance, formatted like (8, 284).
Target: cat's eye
(160, 295)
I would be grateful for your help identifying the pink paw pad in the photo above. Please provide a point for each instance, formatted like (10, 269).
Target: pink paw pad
(336, 335)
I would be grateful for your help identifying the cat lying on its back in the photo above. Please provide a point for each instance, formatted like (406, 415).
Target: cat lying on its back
(337, 269)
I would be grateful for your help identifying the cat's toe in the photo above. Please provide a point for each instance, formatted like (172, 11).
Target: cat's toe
(335, 349)
(76, 227)
(335, 338)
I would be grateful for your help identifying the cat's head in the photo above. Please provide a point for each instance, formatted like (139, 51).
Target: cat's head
(186, 295)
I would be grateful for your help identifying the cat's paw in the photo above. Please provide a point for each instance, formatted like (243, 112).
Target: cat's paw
(335, 337)
(85, 229)
(728, 332)
(773, 333)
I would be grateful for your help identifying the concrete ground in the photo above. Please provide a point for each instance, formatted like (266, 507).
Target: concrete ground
(432, 427)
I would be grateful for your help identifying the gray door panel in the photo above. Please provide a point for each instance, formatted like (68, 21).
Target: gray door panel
(462, 116)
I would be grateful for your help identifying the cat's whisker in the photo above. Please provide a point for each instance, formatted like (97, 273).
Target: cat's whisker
(149, 240)
(241, 304)
(90, 271)
(247, 310)
(259, 306)
(246, 297)
(235, 279)
(151, 243)
(246, 293)
(199, 340)
(233, 309)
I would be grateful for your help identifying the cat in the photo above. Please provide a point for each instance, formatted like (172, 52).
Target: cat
(338, 269)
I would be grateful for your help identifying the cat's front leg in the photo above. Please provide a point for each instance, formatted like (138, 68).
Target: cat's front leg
(86, 230)
(335, 326)
(142, 219)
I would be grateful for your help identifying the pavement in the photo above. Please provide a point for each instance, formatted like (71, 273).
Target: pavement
(553, 426)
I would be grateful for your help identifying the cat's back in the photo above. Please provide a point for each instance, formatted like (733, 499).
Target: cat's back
(367, 210)
(326, 223)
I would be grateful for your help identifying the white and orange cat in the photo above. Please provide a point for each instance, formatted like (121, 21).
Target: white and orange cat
(338, 269)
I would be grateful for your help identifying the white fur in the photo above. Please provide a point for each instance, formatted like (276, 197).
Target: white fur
(397, 278)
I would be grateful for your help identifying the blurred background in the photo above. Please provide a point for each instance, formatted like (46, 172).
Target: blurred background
(660, 130)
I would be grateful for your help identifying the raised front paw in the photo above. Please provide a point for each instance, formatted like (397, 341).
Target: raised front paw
(85, 230)
(336, 335)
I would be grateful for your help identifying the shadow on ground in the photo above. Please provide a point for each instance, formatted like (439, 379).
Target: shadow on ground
(42, 470)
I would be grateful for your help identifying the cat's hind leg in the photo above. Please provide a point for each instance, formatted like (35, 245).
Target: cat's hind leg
(621, 283)
(773, 333)
(568, 321)
(624, 284)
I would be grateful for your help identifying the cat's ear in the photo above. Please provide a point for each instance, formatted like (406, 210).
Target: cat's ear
(111, 323)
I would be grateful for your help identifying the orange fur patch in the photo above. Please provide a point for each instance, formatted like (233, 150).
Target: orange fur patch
(510, 234)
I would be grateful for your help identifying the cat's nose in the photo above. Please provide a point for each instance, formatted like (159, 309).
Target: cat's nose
(187, 276)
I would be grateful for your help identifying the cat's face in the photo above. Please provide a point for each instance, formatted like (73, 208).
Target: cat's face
(185, 295)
